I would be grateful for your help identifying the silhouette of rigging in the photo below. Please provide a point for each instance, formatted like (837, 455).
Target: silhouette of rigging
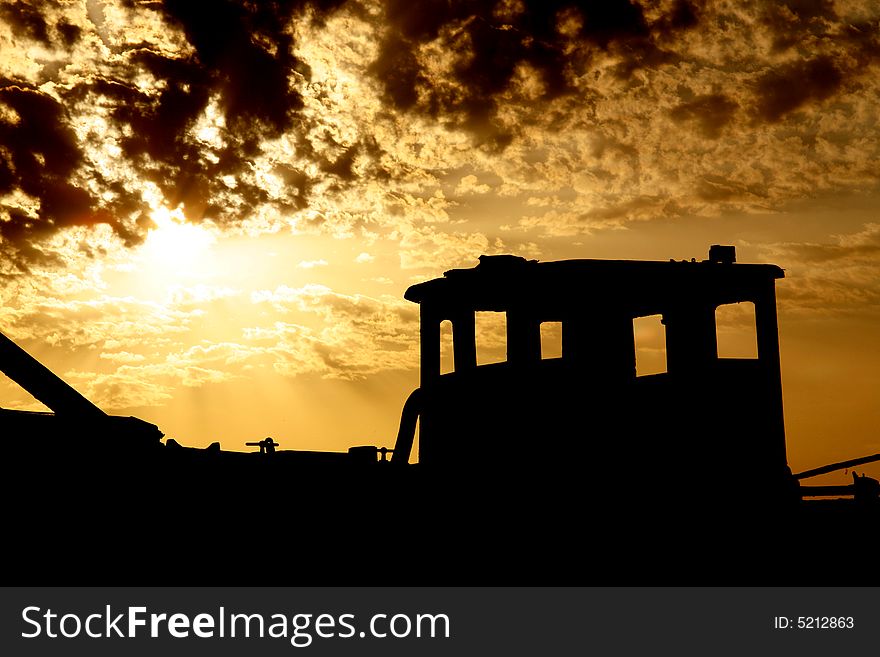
(74, 415)
(267, 445)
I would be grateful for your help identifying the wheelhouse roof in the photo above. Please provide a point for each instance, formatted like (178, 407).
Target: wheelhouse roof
(635, 287)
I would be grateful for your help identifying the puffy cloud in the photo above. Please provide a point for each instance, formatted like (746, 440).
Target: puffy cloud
(183, 296)
(470, 185)
(311, 264)
(128, 386)
(123, 357)
(709, 112)
(144, 384)
(791, 86)
(458, 61)
(358, 335)
(142, 353)
(840, 277)
(427, 248)
(39, 159)
(363, 119)
(120, 321)
(150, 93)
(862, 247)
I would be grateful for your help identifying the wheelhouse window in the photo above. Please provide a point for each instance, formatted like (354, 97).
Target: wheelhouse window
(735, 330)
(650, 342)
(491, 337)
(447, 361)
(551, 340)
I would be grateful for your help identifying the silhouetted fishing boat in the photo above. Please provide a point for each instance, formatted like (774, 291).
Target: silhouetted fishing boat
(519, 456)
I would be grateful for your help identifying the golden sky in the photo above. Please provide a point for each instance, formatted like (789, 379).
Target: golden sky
(208, 218)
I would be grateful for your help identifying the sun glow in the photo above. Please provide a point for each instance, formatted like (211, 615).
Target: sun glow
(176, 244)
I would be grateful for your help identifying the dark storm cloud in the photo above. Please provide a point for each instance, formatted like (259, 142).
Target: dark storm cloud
(801, 26)
(490, 40)
(157, 141)
(558, 40)
(243, 53)
(342, 166)
(711, 113)
(27, 20)
(792, 21)
(241, 58)
(39, 154)
(35, 20)
(489, 67)
(789, 87)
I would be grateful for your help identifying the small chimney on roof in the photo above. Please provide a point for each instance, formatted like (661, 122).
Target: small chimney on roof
(722, 254)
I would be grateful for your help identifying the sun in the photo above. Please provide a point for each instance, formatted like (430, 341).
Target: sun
(175, 244)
